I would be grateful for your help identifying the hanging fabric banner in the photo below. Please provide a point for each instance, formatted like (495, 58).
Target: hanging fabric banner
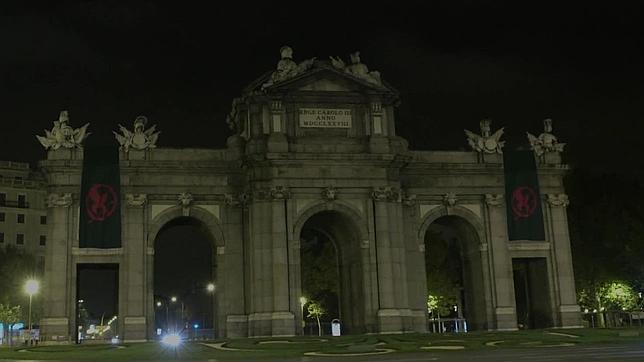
(100, 209)
(525, 217)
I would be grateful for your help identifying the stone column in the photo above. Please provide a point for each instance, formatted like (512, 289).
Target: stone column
(231, 273)
(567, 309)
(134, 268)
(55, 326)
(270, 314)
(500, 263)
(394, 313)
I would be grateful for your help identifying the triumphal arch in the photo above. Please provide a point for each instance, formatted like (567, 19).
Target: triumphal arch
(313, 146)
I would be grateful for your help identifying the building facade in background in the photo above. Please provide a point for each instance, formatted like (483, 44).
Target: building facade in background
(313, 150)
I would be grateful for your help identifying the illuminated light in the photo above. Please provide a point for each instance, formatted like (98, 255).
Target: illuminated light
(172, 340)
(158, 304)
(115, 340)
(173, 299)
(210, 287)
(303, 300)
(196, 326)
(32, 286)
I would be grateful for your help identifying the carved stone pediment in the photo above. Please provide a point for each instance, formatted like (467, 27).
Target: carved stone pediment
(385, 193)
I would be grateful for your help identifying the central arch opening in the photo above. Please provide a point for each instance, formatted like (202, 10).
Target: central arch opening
(332, 272)
(184, 279)
(455, 289)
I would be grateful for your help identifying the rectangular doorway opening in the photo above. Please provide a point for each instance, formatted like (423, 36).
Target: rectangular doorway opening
(532, 293)
(97, 295)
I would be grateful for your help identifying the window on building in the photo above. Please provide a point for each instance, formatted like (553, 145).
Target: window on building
(1, 237)
(43, 240)
(2, 216)
(20, 239)
(22, 200)
(21, 218)
(3, 199)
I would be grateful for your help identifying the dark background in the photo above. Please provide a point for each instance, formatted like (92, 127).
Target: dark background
(454, 63)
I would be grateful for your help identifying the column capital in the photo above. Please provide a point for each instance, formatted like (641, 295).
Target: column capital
(494, 199)
(558, 200)
(136, 200)
(59, 200)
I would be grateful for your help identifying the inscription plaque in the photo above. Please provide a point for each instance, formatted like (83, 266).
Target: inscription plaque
(325, 118)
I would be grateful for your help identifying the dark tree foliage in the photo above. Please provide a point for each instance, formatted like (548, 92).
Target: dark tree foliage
(320, 278)
(16, 267)
(606, 220)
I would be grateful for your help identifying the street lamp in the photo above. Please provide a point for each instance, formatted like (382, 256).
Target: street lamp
(303, 301)
(31, 287)
(210, 288)
(174, 300)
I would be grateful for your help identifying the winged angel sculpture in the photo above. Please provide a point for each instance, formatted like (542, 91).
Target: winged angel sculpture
(486, 142)
(140, 139)
(63, 135)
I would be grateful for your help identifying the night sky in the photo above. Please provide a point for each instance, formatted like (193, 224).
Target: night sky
(454, 63)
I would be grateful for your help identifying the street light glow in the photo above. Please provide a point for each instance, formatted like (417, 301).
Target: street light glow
(172, 340)
(303, 300)
(210, 287)
(173, 299)
(158, 304)
(31, 287)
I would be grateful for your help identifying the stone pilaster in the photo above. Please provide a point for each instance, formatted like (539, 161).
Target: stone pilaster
(134, 268)
(394, 314)
(567, 310)
(500, 263)
(57, 286)
(270, 314)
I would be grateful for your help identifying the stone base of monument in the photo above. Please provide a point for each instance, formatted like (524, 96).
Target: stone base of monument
(236, 326)
(394, 320)
(271, 324)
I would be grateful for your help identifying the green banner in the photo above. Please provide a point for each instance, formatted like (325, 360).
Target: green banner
(525, 217)
(100, 203)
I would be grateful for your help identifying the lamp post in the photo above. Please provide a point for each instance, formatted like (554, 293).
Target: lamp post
(210, 288)
(31, 287)
(303, 301)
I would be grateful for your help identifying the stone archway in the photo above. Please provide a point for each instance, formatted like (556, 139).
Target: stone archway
(455, 267)
(332, 267)
(201, 234)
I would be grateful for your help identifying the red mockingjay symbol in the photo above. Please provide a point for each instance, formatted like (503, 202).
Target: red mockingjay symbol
(524, 202)
(100, 202)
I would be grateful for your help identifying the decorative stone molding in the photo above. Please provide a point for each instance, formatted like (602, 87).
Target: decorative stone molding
(136, 200)
(240, 199)
(421, 247)
(546, 142)
(140, 139)
(494, 199)
(486, 142)
(449, 199)
(329, 193)
(59, 200)
(385, 193)
(185, 201)
(272, 193)
(63, 135)
(408, 199)
(558, 200)
(364, 244)
(280, 193)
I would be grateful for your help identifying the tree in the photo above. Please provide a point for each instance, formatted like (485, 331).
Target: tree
(16, 267)
(9, 315)
(316, 310)
(444, 274)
